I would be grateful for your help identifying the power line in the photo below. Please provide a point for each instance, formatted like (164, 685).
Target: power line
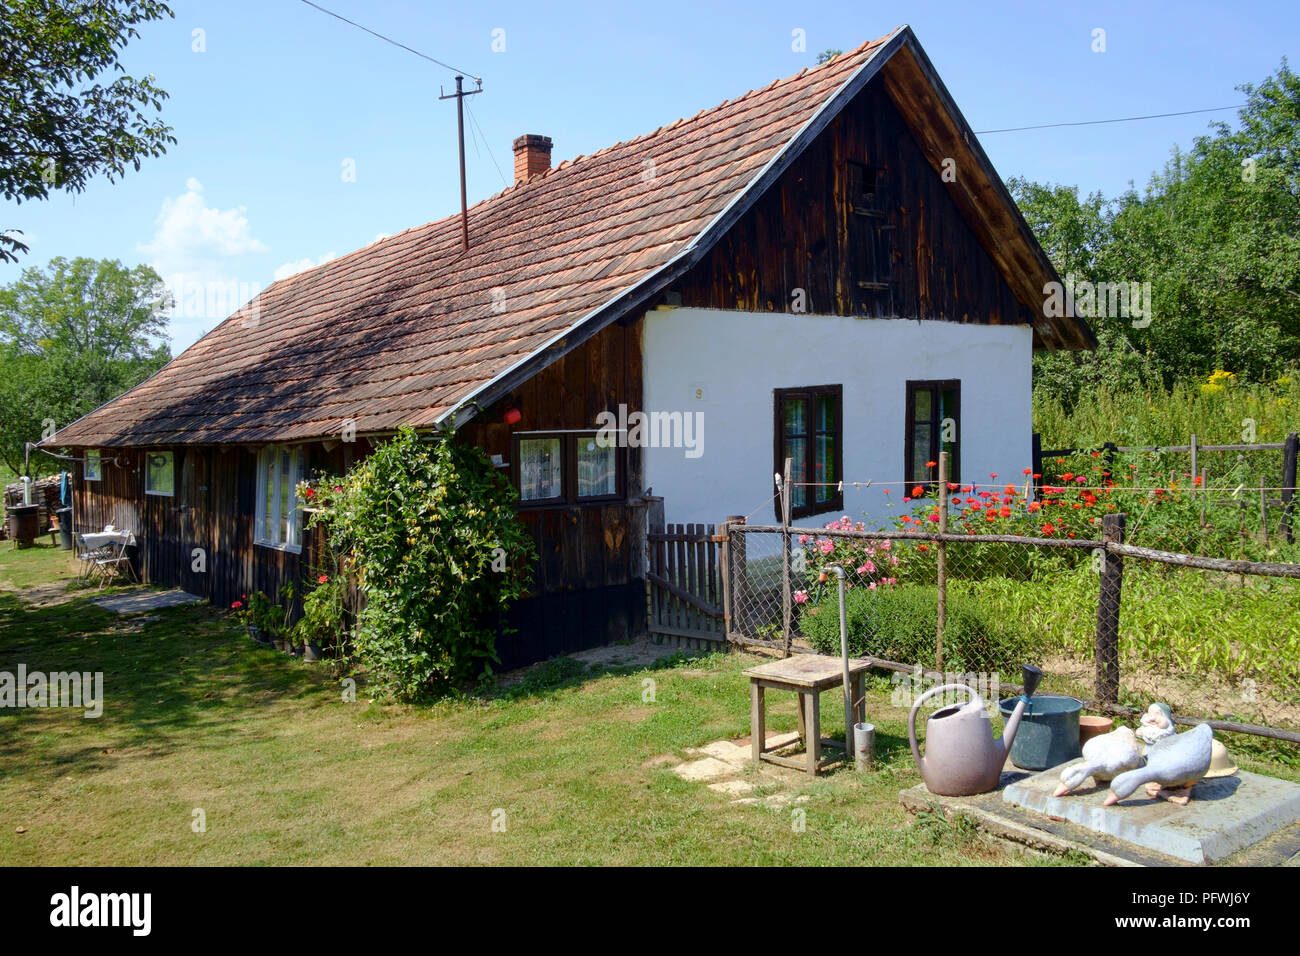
(474, 123)
(447, 66)
(1122, 119)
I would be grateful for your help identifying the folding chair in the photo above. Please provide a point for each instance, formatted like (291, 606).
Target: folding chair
(89, 557)
(115, 562)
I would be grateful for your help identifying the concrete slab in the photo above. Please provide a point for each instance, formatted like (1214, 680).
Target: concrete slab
(146, 599)
(1224, 816)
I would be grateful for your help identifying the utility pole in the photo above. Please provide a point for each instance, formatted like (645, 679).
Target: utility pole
(459, 96)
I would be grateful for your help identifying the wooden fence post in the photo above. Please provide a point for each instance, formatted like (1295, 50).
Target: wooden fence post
(1290, 451)
(1106, 652)
(1036, 464)
(654, 522)
(1195, 469)
(787, 592)
(941, 549)
(725, 561)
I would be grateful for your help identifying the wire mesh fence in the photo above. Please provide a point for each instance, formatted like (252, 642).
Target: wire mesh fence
(1107, 621)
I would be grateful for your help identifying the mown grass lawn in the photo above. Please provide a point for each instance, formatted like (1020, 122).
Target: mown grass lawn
(287, 772)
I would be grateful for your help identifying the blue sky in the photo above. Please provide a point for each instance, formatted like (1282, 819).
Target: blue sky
(282, 98)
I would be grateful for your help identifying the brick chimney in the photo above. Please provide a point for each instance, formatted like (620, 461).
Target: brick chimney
(532, 156)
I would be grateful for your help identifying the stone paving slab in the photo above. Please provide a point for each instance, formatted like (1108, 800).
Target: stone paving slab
(146, 599)
(1224, 815)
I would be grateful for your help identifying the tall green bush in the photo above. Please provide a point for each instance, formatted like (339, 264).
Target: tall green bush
(430, 530)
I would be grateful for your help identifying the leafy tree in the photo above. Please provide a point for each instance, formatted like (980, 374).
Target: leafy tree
(1217, 235)
(72, 336)
(63, 120)
(826, 56)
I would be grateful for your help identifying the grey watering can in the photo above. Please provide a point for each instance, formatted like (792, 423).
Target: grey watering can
(961, 756)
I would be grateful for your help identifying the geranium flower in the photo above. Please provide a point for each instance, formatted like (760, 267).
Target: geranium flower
(236, 605)
(993, 475)
(323, 579)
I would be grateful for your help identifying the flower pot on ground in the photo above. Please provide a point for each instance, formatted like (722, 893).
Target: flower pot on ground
(311, 652)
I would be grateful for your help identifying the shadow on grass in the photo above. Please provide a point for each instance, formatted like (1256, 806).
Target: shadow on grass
(168, 676)
(559, 673)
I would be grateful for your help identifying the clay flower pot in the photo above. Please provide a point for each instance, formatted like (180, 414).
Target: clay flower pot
(1091, 725)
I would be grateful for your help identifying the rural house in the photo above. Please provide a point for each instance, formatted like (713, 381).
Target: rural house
(827, 269)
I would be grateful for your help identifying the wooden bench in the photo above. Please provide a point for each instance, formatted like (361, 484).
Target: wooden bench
(806, 675)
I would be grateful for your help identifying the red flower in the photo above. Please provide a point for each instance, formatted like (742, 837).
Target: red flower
(1080, 480)
(1028, 471)
(1009, 490)
(236, 605)
(323, 579)
(1004, 511)
(975, 505)
(993, 475)
(922, 547)
(886, 491)
(309, 493)
(918, 492)
(1048, 528)
(1034, 506)
(934, 516)
(931, 464)
(990, 517)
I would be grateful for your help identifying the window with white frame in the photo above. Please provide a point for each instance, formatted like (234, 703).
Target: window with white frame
(91, 471)
(279, 512)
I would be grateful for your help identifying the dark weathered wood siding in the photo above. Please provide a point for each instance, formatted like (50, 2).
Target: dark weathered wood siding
(212, 509)
(804, 234)
(588, 587)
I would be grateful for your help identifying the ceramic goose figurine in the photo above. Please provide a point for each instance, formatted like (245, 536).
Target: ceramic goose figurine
(1104, 758)
(1157, 723)
(1176, 762)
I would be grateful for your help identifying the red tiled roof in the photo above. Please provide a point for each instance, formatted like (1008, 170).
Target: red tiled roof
(404, 329)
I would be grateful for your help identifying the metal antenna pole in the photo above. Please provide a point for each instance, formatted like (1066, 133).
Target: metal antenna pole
(459, 96)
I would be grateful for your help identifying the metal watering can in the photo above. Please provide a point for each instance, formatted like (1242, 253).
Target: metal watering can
(962, 758)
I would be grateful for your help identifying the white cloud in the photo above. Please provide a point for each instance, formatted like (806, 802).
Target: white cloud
(190, 233)
(194, 248)
(301, 265)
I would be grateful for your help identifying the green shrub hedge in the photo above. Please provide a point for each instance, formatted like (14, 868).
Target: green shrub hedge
(899, 624)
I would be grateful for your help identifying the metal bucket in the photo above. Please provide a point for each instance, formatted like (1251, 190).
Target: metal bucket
(1049, 730)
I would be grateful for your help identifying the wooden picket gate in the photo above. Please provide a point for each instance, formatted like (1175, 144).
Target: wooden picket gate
(684, 582)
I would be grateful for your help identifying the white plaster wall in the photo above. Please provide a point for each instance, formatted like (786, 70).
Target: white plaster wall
(736, 359)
